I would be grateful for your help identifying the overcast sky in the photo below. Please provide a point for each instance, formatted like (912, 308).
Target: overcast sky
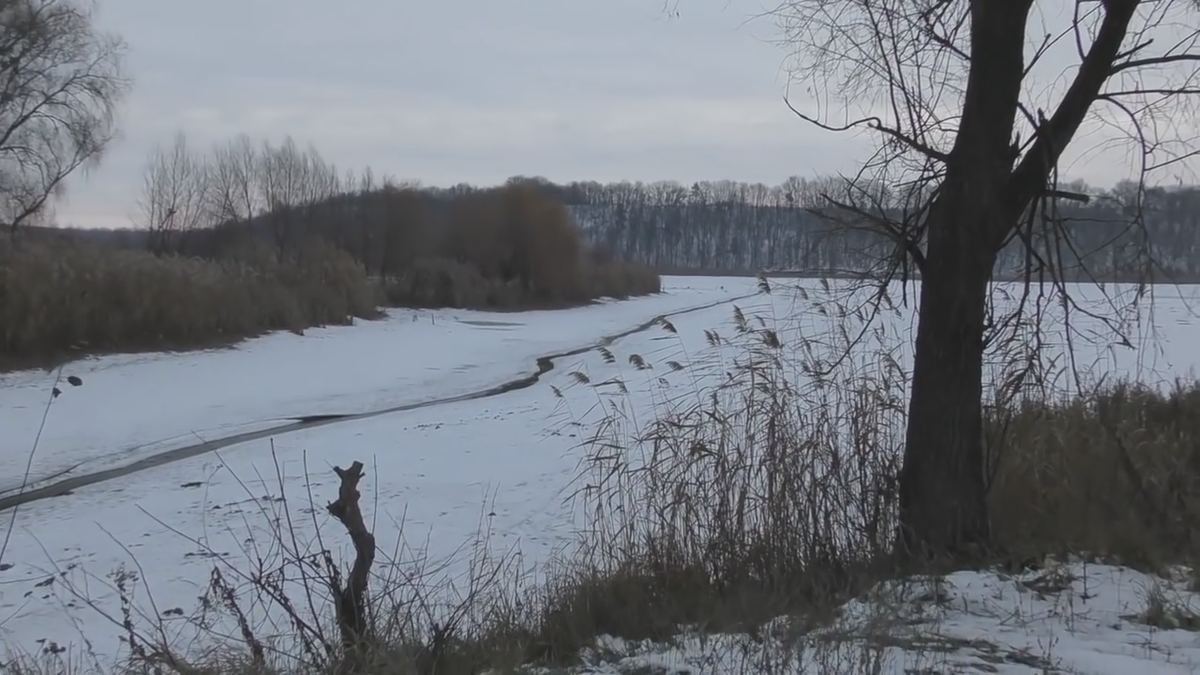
(449, 91)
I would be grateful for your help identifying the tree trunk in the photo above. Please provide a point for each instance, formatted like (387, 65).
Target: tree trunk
(943, 508)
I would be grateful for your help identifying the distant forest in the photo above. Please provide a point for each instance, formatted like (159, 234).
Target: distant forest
(725, 227)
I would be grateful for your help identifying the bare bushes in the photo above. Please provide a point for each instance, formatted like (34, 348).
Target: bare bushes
(444, 282)
(515, 246)
(511, 248)
(620, 279)
(66, 298)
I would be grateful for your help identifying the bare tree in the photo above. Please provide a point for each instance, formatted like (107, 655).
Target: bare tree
(282, 174)
(60, 83)
(175, 195)
(235, 195)
(973, 103)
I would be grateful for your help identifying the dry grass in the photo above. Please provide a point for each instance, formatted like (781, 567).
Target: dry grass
(1168, 610)
(61, 299)
(770, 494)
(1115, 473)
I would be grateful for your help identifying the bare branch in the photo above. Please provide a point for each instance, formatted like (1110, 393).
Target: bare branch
(1052, 137)
(876, 124)
(1156, 61)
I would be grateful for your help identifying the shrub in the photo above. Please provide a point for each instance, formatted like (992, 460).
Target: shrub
(616, 279)
(441, 282)
(67, 297)
(507, 248)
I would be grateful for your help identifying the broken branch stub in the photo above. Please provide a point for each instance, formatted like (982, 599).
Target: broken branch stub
(351, 600)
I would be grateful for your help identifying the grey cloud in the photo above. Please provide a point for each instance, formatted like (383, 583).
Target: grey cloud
(465, 90)
(456, 90)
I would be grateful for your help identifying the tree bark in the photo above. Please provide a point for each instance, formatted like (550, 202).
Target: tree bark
(943, 507)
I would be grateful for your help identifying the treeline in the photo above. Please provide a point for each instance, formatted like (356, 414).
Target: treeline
(737, 226)
(470, 246)
(742, 227)
(250, 238)
(510, 246)
(707, 227)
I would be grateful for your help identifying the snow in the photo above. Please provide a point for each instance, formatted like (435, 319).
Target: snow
(435, 474)
(1068, 618)
(133, 406)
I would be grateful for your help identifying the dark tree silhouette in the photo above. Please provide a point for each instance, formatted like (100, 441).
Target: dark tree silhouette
(60, 83)
(958, 94)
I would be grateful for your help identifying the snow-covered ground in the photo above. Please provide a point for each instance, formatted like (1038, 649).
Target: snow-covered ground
(506, 461)
(1062, 618)
(132, 406)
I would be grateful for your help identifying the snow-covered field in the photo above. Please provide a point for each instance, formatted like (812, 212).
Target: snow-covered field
(507, 461)
(132, 406)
